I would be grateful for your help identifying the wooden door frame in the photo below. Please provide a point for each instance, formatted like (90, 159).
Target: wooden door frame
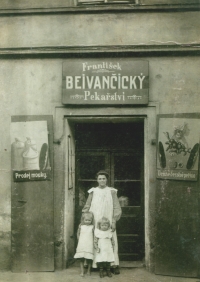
(115, 114)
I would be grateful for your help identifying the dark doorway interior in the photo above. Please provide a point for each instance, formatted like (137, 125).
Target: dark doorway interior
(119, 149)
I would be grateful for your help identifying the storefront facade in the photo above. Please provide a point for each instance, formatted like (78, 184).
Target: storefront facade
(40, 47)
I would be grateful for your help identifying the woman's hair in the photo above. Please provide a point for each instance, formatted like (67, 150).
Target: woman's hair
(102, 172)
(103, 220)
(88, 215)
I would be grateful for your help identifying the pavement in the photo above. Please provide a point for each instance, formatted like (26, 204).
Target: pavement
(71, 274)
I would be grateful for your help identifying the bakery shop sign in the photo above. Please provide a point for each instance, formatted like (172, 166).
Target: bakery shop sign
(105, 82)
(30, 151)
(178, 148)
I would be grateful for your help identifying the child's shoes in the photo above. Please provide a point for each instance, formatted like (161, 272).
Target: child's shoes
(101, 273)
(109, 273)
(117, 271)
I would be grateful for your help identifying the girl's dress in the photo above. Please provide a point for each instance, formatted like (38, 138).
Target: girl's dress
(104, 203)
(85, 247)
(104, 243)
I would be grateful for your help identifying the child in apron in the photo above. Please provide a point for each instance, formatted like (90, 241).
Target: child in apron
(85, 249)
(104, 246)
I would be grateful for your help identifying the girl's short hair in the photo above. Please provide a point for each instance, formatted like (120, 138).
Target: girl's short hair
(103, 220)
(102, 172)
(87, 214)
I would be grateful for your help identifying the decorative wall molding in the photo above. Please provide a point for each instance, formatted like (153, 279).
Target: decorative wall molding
(102, 9)
(76, 51)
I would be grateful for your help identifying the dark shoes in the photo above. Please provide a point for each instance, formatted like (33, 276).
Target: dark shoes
(101, 273)
(109, 273)
(115, 270)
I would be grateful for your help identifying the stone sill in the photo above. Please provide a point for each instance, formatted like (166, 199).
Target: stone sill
(102, 9)
(124, 50)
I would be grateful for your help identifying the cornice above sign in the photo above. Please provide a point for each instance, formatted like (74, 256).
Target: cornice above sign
(105, 82)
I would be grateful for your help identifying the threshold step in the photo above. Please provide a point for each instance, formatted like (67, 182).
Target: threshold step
(130, 256)
(132, 264)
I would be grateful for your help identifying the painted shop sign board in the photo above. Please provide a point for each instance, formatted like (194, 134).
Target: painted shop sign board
(28, 175)
(105, 82)
(30, 151)
(178, 148)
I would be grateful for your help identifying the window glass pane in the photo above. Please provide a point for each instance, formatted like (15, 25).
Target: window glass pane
(83, 187)
(138, 2)
(90, 165)
(127, 167)
(169, 2)
(81, 198)
(129, 193)
(115, 136)
(90, 2)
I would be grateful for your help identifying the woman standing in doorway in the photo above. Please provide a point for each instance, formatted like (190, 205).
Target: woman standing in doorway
(103, 202)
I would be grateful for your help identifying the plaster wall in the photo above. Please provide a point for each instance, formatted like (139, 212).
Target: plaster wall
(34, 87)
(106, 29)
